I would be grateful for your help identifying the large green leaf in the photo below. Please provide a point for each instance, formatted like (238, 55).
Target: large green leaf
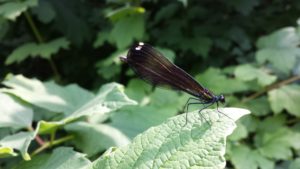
(124, 12)
(95, 138)
(286, 97)
(199, 144)
(280, 48)
(11, 10)
(44, 50)
(13, 114)
(61, 158)
(48, 95)
(110, 98)
(248, 72)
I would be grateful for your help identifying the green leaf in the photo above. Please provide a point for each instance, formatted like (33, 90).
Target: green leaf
(101, 38)
(295, 164)
(168, 53)
(285, 97)
(259, 106)
(212, 77)
(48, 95)
(239, 133)
(61, 158)
(199, 144)
(134, 26)
(13, 114)
(268, 143)
(198, 45)
(245, 7)
(19, 141)
(271, 124)
(11, 10)
(95, 138)
(123, 12)
(248, 72)
(45, 12)
(110, 67)
(138, 90)
(280, 48)
(44, 50)
(245, 158)
(110, 98)
(7, 152)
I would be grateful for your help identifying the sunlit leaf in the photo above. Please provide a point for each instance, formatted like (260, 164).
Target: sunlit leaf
(245, 158)
(173, 145)
(124, 12)
(13, 114)
(248, 72)
(60, 158)
(7, 152)
(285, 97)
(19, 141)
(217, 82)
(280, 48)
(268, 143)
(48, 95)
(110, 98)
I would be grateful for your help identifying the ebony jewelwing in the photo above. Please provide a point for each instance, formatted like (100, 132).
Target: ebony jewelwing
(150, 65)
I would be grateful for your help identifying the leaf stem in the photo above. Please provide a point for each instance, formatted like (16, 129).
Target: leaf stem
(49, 144)
(40, 39)
(271, 87)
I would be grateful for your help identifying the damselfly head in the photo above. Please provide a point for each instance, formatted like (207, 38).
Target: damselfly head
(221, 98)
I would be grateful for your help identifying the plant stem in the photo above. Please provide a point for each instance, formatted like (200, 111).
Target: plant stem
(37, 138)
(271, 87)
(49, 144)
(40, 40)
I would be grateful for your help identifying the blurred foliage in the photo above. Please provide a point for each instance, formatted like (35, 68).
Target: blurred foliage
(60, 64)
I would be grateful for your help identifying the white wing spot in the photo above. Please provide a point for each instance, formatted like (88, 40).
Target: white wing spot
(138, 48)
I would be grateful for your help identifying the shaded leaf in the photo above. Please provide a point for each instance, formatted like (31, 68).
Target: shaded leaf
(198, 45)
(44, 11)
(173, 145)
(13, 114)
(134, 26)
(11, 10)
(44, 50)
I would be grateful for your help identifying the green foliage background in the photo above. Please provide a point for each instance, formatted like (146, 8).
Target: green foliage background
(59, 58)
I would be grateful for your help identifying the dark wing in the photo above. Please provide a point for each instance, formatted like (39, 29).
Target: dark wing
(154, 68)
